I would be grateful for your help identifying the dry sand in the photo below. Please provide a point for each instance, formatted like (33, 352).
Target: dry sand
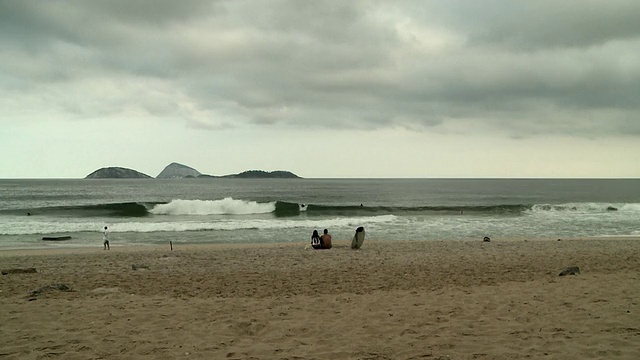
(390, 300)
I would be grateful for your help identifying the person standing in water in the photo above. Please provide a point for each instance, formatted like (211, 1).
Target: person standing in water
(105, 239)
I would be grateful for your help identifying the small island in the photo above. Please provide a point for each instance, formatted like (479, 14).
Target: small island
(259, 174)
(178, 171)
(117, 173)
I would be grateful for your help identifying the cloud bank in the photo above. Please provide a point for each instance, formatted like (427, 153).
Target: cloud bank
(524, 69)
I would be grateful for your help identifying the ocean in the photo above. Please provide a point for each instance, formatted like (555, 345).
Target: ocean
(192, 211)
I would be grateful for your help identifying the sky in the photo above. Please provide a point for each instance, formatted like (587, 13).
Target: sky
(324, 89)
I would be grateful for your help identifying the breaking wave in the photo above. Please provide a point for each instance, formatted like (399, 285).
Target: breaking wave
(585, 208)
(226, 206)
(284, 209)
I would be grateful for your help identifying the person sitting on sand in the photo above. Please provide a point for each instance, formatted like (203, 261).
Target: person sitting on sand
(325, 239)
(316, 242)
(105, 238)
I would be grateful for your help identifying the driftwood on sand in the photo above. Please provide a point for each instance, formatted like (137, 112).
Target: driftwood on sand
(56, 238)
(19, 271)
(59, 287)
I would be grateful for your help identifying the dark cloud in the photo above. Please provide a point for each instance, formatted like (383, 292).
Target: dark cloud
(158, 13)
(532, 25)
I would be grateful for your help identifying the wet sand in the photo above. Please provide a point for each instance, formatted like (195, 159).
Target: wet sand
(389, 300)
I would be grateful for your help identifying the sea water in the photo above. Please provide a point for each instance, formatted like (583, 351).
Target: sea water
(204, 210)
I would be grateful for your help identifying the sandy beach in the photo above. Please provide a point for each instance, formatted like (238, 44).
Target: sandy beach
(389, 300)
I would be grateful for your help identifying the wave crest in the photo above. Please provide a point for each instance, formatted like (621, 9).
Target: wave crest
(585, 207)
(226, 206)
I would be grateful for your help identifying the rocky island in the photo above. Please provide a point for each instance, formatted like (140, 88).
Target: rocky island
(177, 171)
(117, 173)
(259, 174)
(180, 171)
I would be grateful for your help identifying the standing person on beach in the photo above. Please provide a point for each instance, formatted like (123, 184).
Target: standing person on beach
(105, 239)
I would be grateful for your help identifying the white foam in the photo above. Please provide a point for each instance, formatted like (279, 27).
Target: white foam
(635, 208)
(584, 208)
(226, 206)
(94, 225)
(239, 224)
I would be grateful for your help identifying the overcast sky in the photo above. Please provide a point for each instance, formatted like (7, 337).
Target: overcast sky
(321, 88)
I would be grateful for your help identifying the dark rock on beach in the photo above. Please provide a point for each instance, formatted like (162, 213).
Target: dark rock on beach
(139, 267)
(571, 270)
(59, 287)
(486, 239)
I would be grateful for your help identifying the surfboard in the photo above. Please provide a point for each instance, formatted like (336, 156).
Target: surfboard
(358, 238)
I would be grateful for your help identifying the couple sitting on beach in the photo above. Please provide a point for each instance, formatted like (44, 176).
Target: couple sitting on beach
(321, 242)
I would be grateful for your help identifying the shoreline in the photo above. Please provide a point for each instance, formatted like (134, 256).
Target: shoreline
(338, 244)
(388, 300)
